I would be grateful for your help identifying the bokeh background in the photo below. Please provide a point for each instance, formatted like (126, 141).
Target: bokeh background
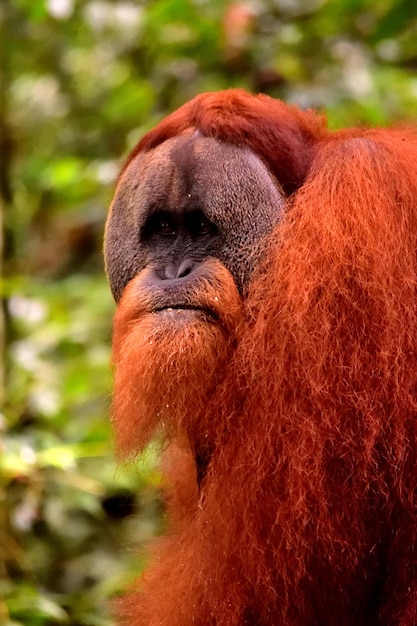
(80, 82)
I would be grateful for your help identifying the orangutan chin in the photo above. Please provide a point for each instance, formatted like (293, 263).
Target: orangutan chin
(265, 273)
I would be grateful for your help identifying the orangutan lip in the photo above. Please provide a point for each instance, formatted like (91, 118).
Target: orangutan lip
(188, 307)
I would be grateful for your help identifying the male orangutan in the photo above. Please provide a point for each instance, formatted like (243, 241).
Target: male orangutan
(265, 273)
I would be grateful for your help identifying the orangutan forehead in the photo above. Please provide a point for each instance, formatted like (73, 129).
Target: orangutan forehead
(193, 172)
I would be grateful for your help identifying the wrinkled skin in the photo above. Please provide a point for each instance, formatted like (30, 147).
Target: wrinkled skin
(212, 199)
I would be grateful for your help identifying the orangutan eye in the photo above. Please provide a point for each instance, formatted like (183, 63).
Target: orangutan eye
(160, 224)
(200, 225)
(165, 227)
(203, 226)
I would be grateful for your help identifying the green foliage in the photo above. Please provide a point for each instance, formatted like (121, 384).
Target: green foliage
(81, 82)
(65, 504)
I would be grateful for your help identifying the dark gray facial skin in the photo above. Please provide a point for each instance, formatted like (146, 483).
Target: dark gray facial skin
(186, 200)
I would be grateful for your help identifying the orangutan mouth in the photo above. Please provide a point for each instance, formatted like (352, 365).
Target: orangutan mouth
(179, 309)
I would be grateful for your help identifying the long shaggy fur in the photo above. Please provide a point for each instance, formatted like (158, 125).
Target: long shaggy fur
(165, 370)
(307, 513)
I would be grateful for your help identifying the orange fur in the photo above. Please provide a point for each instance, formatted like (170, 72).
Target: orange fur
(307, 514)
(282, 136)
(167, 364)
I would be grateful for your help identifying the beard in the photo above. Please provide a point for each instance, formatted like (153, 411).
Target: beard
(170, 351)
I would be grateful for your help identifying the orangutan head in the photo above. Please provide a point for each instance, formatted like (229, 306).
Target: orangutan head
(186, 228)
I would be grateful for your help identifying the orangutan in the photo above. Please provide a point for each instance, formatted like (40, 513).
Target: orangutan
(265, 274)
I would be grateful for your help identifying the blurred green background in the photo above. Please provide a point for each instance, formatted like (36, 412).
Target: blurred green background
(81, 81)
